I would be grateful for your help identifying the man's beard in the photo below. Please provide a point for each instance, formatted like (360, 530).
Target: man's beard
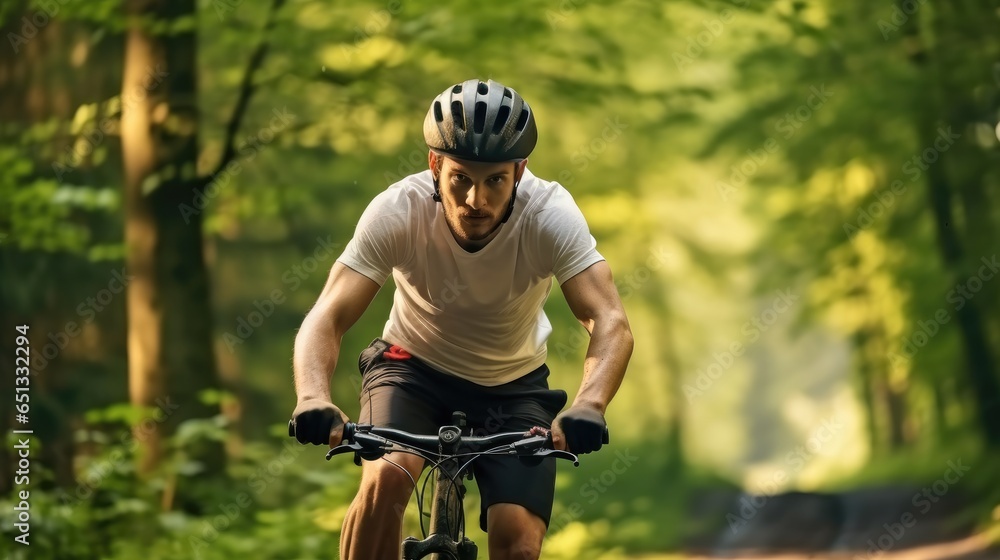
(472, 232)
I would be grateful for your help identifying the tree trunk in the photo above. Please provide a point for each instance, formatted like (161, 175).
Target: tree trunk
(944, 79)
(972, 163)
(938, 392)
(894, 397)
(170, 345)
(980, 366)
(866, 384)
(896, 407)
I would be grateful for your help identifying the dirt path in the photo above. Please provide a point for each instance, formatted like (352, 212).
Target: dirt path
(970, 548)
(877, 523)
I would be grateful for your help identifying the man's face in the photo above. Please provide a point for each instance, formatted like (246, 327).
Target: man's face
(475, 196)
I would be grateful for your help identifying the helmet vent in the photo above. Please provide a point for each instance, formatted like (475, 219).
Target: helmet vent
(438, 115)
(457, 89)
(502, 115)
(479, 122)
(456, 114)
(522, 120)
(507, 93)
(483, 88)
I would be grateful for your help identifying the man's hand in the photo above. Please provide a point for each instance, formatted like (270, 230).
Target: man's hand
(319, 422)
(579, 429)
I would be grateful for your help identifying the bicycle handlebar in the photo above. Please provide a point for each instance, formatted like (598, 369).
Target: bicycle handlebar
(366, 439)
(430, 443)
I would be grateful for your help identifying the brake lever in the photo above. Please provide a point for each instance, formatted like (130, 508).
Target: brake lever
(532, 444)
(557, 454)
(343, 448)
(365, 445)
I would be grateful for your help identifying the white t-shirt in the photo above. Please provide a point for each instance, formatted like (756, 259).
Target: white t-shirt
(479, 315)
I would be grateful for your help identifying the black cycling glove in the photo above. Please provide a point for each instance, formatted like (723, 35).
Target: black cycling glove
(315, 420)
(584, 428)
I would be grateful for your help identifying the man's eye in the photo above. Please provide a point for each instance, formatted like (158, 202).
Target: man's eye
(459, 178)
(496, 180)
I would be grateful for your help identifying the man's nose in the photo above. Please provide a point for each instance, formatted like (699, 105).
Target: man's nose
(476, 197)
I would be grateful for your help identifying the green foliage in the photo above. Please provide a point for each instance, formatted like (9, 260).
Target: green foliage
(114, 513)
(37, 210)
(698, 246)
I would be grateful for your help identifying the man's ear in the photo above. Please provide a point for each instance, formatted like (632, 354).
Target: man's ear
(519, 169)
(432, 162)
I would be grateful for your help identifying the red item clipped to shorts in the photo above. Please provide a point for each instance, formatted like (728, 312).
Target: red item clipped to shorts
(396, 352)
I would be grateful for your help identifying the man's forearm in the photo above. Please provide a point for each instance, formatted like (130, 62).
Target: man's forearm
(604, 368)
(317, 348)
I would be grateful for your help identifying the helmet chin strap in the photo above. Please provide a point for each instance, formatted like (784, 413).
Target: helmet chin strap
(510, 207)
(513, 199)
(513, 195)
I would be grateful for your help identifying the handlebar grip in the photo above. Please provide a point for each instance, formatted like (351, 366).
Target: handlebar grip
(349, 428)
(606, 438)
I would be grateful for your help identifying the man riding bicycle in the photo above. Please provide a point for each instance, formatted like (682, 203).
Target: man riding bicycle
(473, 244)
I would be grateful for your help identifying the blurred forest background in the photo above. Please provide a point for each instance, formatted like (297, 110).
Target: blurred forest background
(800, 201)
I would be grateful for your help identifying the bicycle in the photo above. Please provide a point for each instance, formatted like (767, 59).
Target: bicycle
(445, 453)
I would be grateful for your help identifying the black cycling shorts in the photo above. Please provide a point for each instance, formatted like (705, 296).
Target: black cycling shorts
(403, 392)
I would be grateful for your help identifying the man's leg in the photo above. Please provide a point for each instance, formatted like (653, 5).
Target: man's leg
(373, 527)
(516, 495)
(392, 396)
(514, 533)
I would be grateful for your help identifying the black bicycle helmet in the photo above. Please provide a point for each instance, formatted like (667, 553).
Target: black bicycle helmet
(481, 121)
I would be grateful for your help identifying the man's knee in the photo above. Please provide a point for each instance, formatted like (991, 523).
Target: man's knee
(514, 532)
(386, 484)
(526, 551)
(519, 549)
(378, 509)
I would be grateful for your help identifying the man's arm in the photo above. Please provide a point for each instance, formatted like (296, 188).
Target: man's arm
(594, 300)
(317, 346)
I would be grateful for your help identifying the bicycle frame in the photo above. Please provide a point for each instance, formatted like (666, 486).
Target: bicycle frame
(446, 509)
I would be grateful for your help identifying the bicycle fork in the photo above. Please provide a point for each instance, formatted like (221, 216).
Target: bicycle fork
(442, 544)
(446, 512)
(439, 547)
